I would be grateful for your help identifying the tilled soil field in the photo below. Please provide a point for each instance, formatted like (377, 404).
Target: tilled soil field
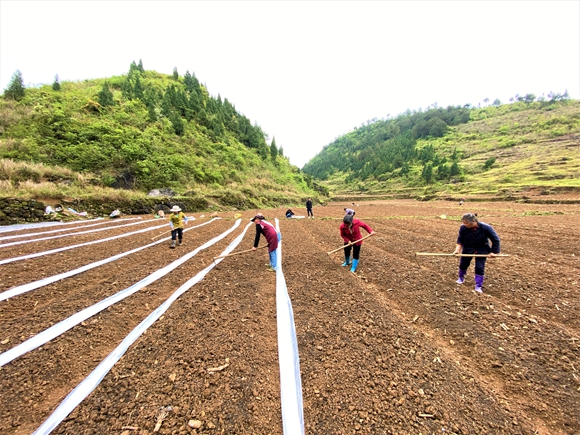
(397, 348)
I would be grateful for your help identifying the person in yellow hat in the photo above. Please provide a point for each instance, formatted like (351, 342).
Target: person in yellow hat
(177, 220)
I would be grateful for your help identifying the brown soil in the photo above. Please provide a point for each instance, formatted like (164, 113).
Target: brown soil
(397, 348)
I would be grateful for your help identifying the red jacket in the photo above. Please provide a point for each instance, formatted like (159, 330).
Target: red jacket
(270, 232)
(351, 234)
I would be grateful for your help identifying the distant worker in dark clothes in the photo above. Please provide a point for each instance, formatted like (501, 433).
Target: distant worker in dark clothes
(289, 214)
(350, 232)
(473, 239)
(309, 208)
(272, 238)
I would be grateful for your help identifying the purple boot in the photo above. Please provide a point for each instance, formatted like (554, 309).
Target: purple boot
(478, 283)
(461, 276)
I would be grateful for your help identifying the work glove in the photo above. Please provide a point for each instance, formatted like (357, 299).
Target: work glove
(171, 225)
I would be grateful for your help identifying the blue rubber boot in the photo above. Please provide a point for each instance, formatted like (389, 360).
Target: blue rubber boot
(354, 265)
(346, 261)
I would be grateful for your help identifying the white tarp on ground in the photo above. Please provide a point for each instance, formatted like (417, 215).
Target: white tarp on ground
(65, 248)
(91, 382)
(21, 242)
(63, 326)
(18, 290)
(289, 360)
(19, 236)
(20, 227)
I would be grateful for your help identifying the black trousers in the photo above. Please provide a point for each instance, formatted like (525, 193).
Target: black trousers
(356, 251)
(479, 264)
(177, 232)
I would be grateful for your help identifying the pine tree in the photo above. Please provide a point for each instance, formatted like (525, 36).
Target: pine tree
(15, 89)
(132, 67)
(56, 84)
(140, 66)
(105, 96)
(152, 113)
(138, 89)
(427, 173)
(273, 149)
(188, 81)
(175, 74)
(177, 123)
(454, 170)
(127, 89)
(166, 104)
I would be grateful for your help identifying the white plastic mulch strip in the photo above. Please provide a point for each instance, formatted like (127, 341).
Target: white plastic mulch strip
(19, 236)
(18, 290)
(21, 242)
(289, 360)
(63, 326)
(20, 227)
(91, 382)
(66, 248)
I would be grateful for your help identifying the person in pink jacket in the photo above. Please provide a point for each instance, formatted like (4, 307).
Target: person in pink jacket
(350, 232)
(272, 238)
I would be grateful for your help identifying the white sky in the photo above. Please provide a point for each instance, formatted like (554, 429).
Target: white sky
(306, 71)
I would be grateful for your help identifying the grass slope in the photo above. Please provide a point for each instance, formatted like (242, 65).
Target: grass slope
(534, 149)
(57, 144)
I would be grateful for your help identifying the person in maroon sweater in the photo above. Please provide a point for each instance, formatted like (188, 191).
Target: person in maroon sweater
(350, 232)
(272, 238)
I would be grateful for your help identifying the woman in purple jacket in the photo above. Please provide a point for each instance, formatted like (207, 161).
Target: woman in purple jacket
(350, 232)
(473, 239)
(272, 238)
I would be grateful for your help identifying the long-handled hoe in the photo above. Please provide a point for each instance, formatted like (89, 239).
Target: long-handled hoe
(436, 254)
(159, 235)
(237, 253)
(458, 255)
(349, 244)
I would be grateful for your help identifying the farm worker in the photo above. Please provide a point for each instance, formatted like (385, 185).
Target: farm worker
(309, 208)
(473, 239)
(350, 211)
(289, 214)
(272, 238)
(350, 232)
(177, 220)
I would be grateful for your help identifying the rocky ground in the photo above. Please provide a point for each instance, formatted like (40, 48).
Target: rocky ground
(397, 348)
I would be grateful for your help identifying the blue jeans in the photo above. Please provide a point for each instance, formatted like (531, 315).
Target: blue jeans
(273, 255)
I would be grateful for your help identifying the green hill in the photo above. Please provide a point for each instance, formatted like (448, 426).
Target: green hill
(122, 136)
(126, 135)
(456, 151)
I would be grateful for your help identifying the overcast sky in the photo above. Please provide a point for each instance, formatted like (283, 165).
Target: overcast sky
(306, 71)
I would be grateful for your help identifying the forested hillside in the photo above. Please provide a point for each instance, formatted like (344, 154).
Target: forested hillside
(502, 147)
(140, 131)
(145, 130)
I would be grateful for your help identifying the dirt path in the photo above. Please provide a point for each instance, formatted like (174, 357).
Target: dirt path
(396, 348)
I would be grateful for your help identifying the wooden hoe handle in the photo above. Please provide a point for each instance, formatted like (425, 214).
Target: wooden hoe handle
(239, 252)
(350, 244)
(433, 254)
